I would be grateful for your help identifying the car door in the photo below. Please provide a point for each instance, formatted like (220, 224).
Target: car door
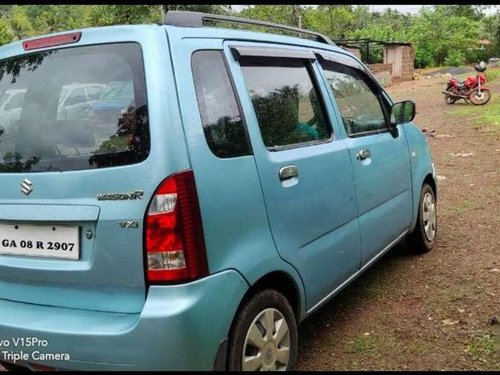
(380, 158)
(305, 172)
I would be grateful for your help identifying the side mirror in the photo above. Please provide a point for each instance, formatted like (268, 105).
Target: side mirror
(402, 112)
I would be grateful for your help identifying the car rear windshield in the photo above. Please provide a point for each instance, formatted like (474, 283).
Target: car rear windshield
(73, 108)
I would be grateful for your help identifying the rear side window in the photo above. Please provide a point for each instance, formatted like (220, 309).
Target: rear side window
(286, 101)
(220, 115)
(63, 122)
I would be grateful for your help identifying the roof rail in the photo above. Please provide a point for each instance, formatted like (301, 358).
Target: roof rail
(195, 19)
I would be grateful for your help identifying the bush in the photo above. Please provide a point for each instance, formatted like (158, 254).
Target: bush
(455, 58)
(424, 58)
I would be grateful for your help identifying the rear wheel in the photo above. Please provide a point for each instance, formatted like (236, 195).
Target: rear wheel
(480, 98)
(423, 237)
(264, 335)
(448, 98)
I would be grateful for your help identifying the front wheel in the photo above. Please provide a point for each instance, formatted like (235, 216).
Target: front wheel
(480, 98)
(423, 237)
(264, 335)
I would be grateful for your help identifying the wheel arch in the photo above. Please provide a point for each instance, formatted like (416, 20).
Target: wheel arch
(429, 179)
(282, 282)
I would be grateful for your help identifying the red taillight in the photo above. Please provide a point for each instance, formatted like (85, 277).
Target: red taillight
(175, 246)
(52, 41)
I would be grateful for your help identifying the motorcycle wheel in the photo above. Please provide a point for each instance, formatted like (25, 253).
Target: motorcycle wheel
(448, 99)
(479, 98)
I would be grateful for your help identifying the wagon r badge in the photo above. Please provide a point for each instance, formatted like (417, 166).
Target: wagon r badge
(26, 186)
(137, 194)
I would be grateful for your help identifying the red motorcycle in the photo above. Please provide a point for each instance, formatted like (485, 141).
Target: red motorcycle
(471, 89)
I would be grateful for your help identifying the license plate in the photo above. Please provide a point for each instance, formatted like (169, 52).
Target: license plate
(52, 241)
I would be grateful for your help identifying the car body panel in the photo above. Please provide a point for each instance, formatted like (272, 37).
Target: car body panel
(161, 336)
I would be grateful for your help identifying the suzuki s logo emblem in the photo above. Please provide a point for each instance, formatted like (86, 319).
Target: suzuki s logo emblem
(26, 186)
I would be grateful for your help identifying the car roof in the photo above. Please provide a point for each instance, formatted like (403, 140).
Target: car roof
(112, 33)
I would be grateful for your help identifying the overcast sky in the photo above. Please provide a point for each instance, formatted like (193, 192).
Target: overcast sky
(400, 8)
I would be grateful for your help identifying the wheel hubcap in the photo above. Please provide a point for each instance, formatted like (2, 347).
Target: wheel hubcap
(429, 216)
(267, 343)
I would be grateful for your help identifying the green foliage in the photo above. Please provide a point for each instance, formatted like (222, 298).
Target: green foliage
(435, 33)
(52, 18)
(104, 15)
(334, 21)
(5, 10)
(20, 24)
(441, 34)
(455, 58)
(205, 8)
(272, 13)
(5, 32)
(424, 58)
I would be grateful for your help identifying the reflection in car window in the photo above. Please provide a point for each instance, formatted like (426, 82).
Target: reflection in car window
(359, 105)
(95, 92)
(58, 126)
(15, 101)
(220, 115)
(285, 100)
(75, 97)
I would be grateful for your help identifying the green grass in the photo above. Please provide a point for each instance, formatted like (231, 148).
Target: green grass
(363, 344)
(482, 348)
(492, 74)
(447, 299)
(465, 206)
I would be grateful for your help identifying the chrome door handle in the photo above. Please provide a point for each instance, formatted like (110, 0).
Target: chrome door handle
(363, 154)
(288, 172)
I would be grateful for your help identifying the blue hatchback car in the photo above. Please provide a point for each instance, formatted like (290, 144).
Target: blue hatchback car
(246, 180)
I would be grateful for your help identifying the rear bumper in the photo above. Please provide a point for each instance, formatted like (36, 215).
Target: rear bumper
(179, 328)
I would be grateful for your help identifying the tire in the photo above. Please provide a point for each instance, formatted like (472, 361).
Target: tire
(480, 99)
(423, 237)
(251, 336)
(448, 99)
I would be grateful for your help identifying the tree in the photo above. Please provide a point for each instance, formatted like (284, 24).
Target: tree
(5, 32)
(436, 34)
(103, 15)
(362, 17)
(20, 24)
(490, 30)
(334, 21)
(52, 18)
(473, 12)
(206, 8)
(283, 14)
(5, 10)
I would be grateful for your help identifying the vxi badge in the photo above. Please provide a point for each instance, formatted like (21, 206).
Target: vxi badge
(137, 194)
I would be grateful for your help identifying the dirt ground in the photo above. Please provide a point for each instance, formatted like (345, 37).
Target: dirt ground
(436, 311)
